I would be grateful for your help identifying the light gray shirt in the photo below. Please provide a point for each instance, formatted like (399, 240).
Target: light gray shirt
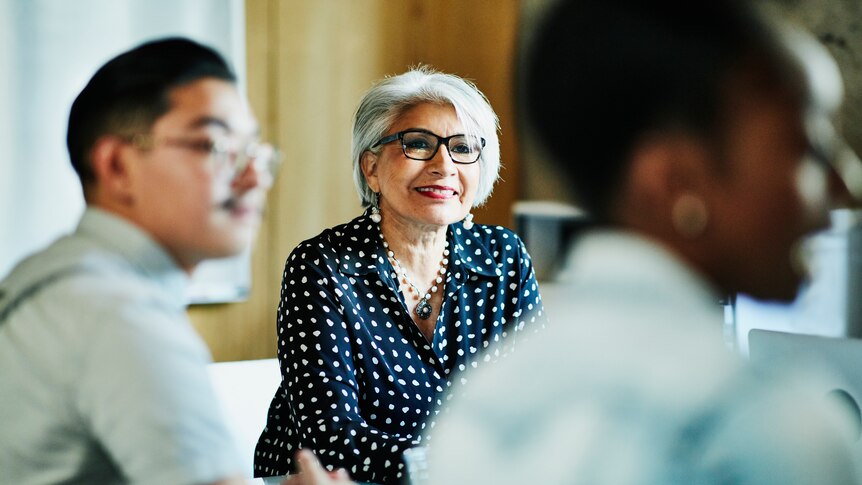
(102, 378)
(633, 385)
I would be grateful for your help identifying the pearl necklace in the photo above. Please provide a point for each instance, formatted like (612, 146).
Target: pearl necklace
(423, 308)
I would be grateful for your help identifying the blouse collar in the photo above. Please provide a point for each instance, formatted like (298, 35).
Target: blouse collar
(360, 251)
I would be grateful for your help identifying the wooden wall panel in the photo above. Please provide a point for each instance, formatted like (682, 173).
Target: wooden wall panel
(308, 64)
(477, 40)
(241, 331)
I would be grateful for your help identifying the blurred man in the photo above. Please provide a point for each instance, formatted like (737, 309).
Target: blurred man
(684, 128)
(102, 377)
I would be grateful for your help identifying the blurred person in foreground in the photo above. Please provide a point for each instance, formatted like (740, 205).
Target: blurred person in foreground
(379, 316)
(102, 377)
(689, 131)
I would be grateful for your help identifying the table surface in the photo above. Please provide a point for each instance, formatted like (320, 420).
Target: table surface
(277, 480)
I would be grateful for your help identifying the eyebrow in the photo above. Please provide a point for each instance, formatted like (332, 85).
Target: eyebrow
(208, 121)
(213, 121)
(429, 132)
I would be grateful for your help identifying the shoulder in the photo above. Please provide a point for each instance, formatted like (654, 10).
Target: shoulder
(496, 247)
(101, 288)
(126, 316)
(488, 234)
(327, 244)
(500, 241)
(336, 239)
(348, 249)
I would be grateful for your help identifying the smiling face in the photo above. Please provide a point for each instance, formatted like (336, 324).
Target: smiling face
(422, 194)
(193, 207)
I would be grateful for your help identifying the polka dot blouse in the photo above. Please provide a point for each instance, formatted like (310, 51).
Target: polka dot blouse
(360, 382)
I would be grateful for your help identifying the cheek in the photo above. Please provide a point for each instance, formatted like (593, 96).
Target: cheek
(470, 180)
(387, 183)
(220, 189)
(194, 193)
(392, 174)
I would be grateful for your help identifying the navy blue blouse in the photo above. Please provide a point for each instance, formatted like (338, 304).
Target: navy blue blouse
(359, 379)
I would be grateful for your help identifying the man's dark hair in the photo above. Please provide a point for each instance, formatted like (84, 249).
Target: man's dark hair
(130, 92)
(603, 74)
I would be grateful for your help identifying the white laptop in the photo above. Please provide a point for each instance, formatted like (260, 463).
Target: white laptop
(841, 358)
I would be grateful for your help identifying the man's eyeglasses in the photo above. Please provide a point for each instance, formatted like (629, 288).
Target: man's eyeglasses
(423, 145)
(264, 157)
(829, 149)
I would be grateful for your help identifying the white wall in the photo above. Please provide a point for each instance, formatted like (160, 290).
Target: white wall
(48, 51)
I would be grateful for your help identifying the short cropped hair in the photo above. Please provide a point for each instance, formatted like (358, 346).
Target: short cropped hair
(601, 75)
(381, 106)
(127, 94)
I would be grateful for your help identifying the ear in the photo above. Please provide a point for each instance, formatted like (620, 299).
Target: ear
(668, 187)
(368, 164)
(668, 166)
(110, 162)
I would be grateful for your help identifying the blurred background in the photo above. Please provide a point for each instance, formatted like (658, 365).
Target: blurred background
(304, 65)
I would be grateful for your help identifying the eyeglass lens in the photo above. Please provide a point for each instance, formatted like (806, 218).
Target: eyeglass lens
(830, 149)
(423, 146)
(262, 156)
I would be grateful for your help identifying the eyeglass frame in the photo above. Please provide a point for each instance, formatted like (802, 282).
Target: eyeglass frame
(829, 149)
(238, 160)
(440, 141)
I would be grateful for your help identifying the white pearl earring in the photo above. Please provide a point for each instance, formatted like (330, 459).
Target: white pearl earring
(375, 208)
(468, 221)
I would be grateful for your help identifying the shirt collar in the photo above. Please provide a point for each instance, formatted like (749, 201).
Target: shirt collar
(471, 253)
(360, 250)
(621, 256)
(358, 246)
(136, 246)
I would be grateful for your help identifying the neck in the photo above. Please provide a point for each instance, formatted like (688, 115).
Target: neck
(419, 250)
(187, 264)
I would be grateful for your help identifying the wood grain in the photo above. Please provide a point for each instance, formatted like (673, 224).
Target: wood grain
(308, 64)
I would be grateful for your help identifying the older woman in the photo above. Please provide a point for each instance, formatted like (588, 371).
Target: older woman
(377, 316)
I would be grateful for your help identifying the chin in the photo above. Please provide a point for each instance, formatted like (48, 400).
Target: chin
(232, 245)
(781, 291)
(785, 297)
(447, 219)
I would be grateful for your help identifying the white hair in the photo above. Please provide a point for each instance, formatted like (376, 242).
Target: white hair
(388, 99)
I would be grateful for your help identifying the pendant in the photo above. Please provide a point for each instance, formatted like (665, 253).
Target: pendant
(423, 309)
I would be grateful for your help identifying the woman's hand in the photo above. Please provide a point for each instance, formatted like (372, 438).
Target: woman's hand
(312, 473)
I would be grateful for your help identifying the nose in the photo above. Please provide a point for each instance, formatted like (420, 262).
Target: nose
(250, 177)
(441, 163)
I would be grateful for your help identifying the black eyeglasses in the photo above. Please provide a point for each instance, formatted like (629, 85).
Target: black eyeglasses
(423, 145)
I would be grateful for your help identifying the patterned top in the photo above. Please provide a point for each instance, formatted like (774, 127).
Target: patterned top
(359, 379)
